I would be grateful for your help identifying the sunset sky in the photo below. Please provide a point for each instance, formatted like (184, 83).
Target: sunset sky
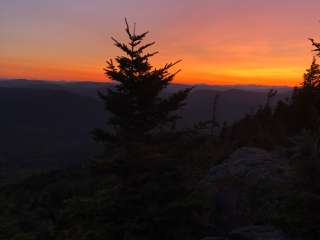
(220, 41)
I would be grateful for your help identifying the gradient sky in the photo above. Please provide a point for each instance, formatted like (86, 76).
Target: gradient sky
(220, 41)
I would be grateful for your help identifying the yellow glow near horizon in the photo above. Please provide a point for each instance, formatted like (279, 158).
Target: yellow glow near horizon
(220, 42)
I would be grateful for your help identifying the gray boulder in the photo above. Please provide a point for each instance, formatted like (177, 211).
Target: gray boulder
(214, 238)
(257, 233)
(242, 187)
(253, 233)
(252, 164)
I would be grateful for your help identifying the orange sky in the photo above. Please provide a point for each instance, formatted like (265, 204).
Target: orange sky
(220, 41)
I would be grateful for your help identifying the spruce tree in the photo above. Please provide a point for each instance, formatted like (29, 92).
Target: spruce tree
(312, 76)
(138, 108)
(306, 100)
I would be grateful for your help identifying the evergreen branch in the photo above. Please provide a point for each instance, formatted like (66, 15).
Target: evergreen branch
(134, 44)
(139, 37)
(128, 29)
(148, 55)
(316, 45)
(110, 65)
(140, 50)
(175, 73)
(124, 47)
(170, 65)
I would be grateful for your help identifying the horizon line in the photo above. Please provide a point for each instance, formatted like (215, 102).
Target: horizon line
(174, 83)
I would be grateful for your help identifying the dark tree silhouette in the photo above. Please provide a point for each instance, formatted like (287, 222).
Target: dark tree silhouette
(138, 109)
(306, 100)
(271, 94)
(312, 75)
(316, 46)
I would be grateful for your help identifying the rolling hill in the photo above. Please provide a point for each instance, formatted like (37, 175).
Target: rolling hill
(50, 122)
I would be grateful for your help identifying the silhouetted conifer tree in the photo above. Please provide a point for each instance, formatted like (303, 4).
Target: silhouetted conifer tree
(306, 100)
(312, 75)
(138, 111)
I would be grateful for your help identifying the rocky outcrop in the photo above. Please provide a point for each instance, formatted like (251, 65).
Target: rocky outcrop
(242, 187)
(214, 238)
(253, 233)
(252, 165)
(254, 194)
(257, 233)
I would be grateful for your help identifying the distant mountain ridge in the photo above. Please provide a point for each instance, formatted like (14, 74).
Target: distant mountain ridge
(50, 122)
(234, 101)
(88, 86)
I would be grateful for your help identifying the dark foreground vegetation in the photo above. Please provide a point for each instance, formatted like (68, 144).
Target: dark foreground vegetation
(256, 178)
